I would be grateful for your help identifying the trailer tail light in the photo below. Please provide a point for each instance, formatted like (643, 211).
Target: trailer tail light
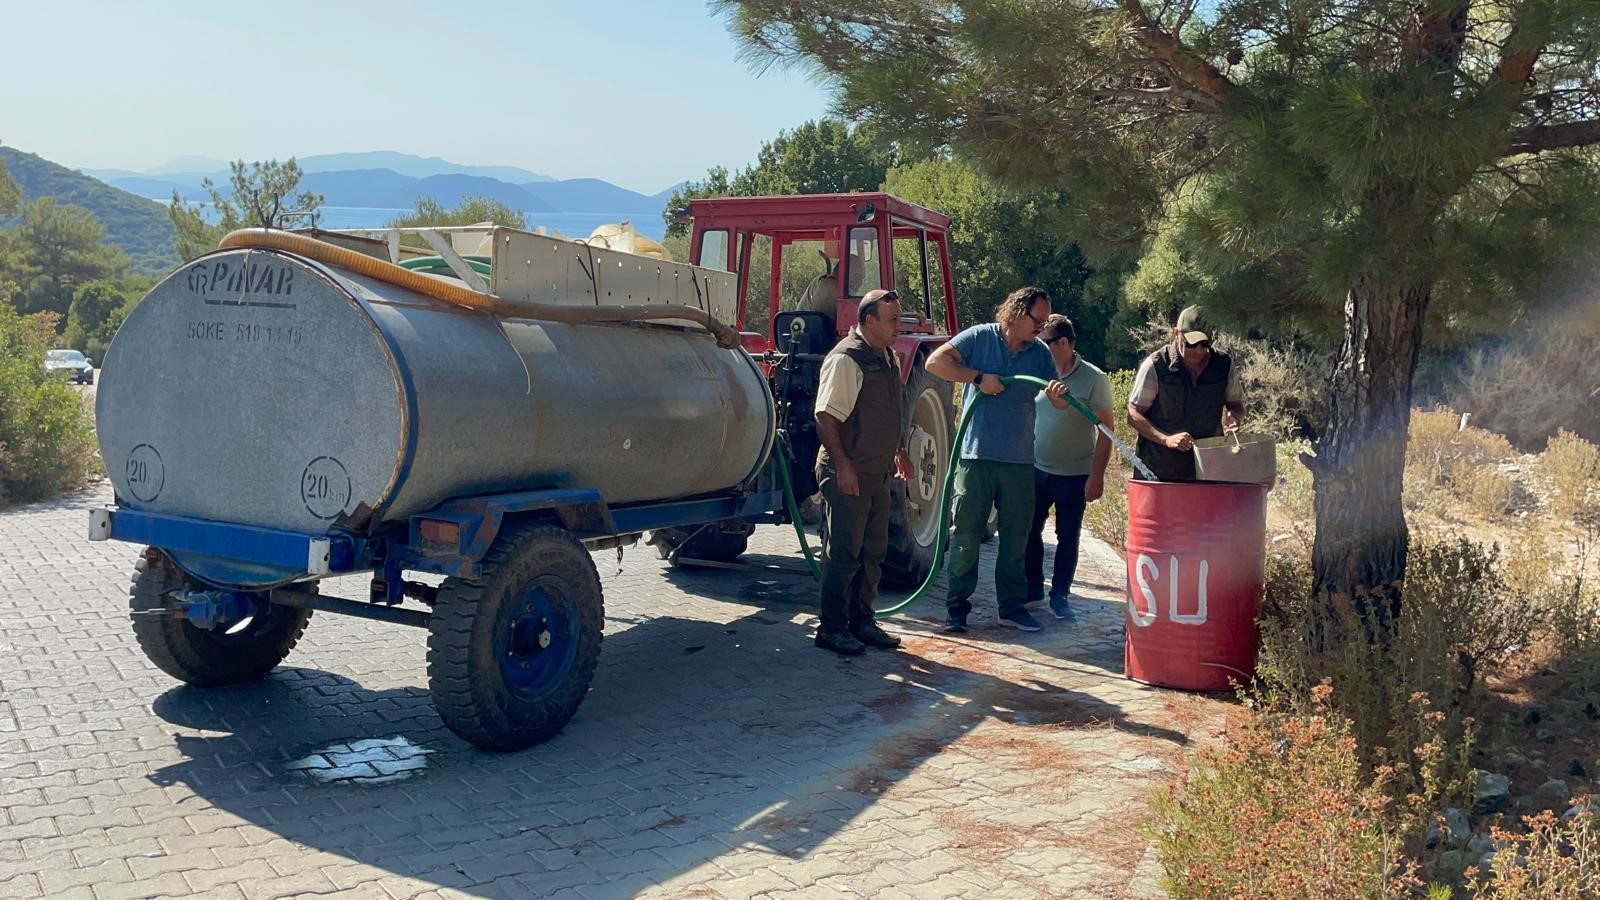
(440, 533)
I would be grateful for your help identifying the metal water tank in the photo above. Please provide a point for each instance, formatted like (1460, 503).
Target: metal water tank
(260, 387)
(1195, 568)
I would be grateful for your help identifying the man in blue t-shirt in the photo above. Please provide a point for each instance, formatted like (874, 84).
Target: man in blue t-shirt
(995, 465)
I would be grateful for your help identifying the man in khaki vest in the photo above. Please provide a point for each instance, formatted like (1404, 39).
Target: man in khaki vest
(860, 419)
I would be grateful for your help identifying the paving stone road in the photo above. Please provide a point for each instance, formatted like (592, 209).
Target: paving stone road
(718, 755)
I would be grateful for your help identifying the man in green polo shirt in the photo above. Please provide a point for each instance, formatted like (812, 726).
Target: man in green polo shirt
(1070, 457)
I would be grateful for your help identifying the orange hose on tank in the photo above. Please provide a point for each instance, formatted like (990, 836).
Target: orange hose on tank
(460, 295)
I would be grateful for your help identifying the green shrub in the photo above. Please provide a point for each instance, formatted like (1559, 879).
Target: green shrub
(1555, 859)
(46, 436)
(1572, 604)
(1462, 618)
(1289, 809)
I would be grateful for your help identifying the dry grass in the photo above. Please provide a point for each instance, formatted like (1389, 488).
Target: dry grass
(1574, 465)
(1530, 388)
(1462, 461)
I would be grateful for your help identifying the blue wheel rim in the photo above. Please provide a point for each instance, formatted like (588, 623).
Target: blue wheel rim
(538, 641)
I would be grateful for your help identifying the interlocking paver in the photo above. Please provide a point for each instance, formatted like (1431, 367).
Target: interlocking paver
(718, 753)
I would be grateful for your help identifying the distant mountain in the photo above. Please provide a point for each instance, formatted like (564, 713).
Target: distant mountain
(107, 175)
(139, 226)
(415, 166)
(591, 195)
(450, 190)
(145, 186)
(666, 195)
(388, 179)
(186, 164)
(358, 187)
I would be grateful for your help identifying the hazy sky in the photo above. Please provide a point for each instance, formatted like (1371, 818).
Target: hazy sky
(642, 93)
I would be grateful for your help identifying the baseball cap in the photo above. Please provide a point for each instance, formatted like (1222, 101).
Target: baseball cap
(1193, 326)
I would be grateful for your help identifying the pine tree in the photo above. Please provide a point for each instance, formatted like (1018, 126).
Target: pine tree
(260, 198)
(1381, 162)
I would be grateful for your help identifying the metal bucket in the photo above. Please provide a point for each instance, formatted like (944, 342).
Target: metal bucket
(1253, 460)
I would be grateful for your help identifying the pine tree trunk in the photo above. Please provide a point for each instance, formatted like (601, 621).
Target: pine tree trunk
(1360, 552)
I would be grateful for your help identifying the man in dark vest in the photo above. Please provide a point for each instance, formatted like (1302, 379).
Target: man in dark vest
(860, 419)
(1183, 392)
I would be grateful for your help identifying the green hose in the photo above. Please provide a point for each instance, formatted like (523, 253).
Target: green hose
(794, 508)
(942, 534)
(436, 265)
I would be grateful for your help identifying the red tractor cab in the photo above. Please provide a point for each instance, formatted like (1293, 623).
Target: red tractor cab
(803, 263)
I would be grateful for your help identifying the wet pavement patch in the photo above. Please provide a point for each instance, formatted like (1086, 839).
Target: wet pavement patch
(366, 761)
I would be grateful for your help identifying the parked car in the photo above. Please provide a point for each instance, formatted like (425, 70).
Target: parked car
(70, 363)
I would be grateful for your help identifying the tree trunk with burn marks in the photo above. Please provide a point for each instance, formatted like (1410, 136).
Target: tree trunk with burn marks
(1360, 552)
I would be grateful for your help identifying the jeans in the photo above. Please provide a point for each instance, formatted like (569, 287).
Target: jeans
(982, 485)
(1065, 493)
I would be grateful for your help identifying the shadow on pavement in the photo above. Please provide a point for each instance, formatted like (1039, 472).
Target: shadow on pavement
(698, 736)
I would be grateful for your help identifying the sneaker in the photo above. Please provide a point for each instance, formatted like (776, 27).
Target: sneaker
(840, 643)
(1060, 609)
(1021, 620)
(956, 625)
(874, 636)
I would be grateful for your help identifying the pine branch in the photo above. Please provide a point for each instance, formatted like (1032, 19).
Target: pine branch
(1517, 57)
(1200, 74)
(1539, 138)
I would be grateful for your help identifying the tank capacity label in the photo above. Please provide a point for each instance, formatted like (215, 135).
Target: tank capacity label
(244, 333)
(325, 487)
(146, 475)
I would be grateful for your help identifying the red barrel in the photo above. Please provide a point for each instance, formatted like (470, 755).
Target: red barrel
(1195, 553)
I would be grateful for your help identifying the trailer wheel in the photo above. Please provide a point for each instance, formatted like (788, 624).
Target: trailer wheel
(512, 652)
(230, 654)
(914, 504)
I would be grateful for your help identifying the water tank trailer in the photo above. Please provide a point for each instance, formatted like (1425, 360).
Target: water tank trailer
(300, 405)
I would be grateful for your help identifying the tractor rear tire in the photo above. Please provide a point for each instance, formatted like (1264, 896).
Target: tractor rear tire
(231, 654)
(914, 504)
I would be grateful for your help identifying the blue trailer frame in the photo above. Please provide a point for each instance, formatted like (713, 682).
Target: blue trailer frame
(451, 539)
(513, 631)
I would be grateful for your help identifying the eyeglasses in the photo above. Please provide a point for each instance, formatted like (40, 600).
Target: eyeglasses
(1036, 320)
(1205, 344)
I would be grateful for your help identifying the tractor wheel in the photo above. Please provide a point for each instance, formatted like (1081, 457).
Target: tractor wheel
(914, 504)
(227, 654)
(511, 653)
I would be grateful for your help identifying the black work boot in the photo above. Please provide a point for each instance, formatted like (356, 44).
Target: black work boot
(874, 636)
(840, 643)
